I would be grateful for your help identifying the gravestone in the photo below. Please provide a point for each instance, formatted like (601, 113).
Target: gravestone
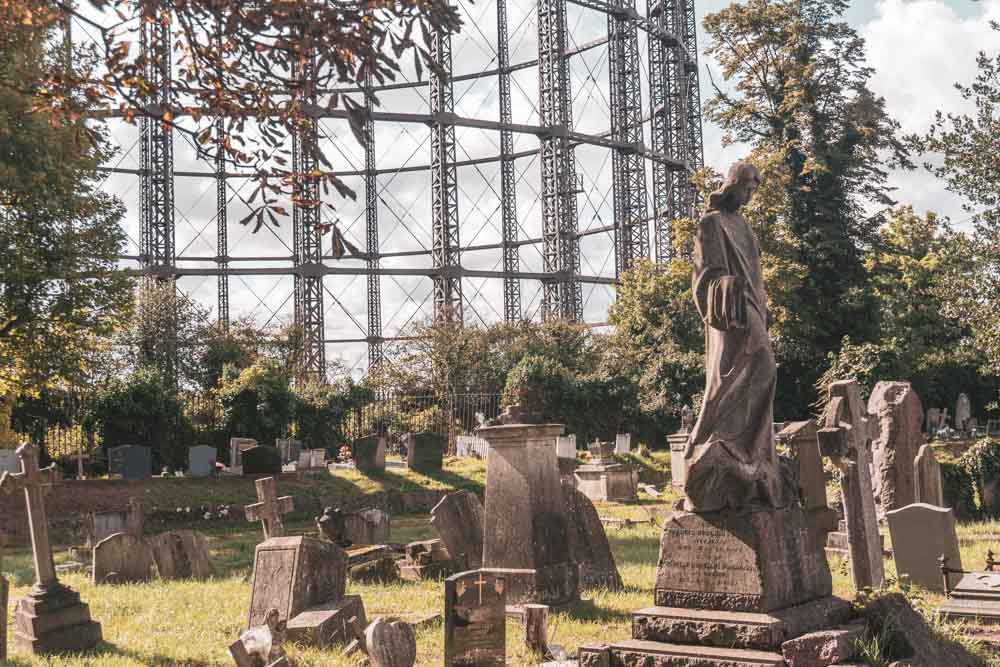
(292, 574)
(132, 462)
(800, 437)
(269, 508)
(932, 419)
(896, 409)
(261, 460)
(331, 526)
(369, 453)
(623, 444)
(589, 543)
(603, 478)
(458, 518)
(424, 451)
(927, 484)
(470, 445)
(9, 461)
(130, 520)
(310, 459)
(525, 522)
(370, 526)
(921, 534)
(425, 559)
(181, 554)
(289, 449)
(390, 642)
(122, 558)
(963, 412)
(50, 618)
(975, 599)
(678, 467)
(201, 460)
(566, 446)
(475, 625)
(236, 448)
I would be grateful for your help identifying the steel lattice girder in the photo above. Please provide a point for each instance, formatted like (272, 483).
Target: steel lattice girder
(157, 152)
(375, 344)
(628, 168)
(221, 224)
(508, 181)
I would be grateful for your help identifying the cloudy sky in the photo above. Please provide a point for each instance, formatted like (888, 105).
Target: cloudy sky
(919, 49)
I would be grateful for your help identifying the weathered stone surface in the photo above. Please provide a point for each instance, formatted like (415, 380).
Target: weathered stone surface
(424, 451)
(458, 518)
(566, 446)
(201, 460)
(327, 624)
(920, 535)
(750, 561)
(601, 453)
(369, 453)
(925, 649)
(260, 645)
(588, 543)
(678, 466)
(236, 448)
(426, 559)
(261, 460)
(382, 570)
(615, 481)
(269, 508)
(289, 449)
(823, 648)
(54, 621)
(370, 526)
(636, 652)
(899, 413)
(391, 642)
(976, 598)
(122, 558)
(963, 412)
(800, 437)
(727, 629)
(927, 486)
(130, 520)
(292, 574)
(132, 462)
(181, 554)
(525, 521)
(623, 444)
(475, 620)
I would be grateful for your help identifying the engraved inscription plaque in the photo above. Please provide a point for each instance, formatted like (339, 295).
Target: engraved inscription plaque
(475, 623)
(273, 572)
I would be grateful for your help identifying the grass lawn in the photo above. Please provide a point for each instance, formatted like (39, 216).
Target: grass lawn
(191, 623)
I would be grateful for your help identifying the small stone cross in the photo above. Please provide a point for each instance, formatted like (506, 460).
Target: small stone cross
(80, 457)
(31, 479)
(482, 582)
(270, 508)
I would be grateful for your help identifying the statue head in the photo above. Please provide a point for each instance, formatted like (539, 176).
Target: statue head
(741, 182)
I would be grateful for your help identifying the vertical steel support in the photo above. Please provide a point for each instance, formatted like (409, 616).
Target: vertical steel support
(375, 344)
(508, 181)
(561, 295)
(695, 143)
(307, 248)
(446, 251)
(221, 224)
(628, 165)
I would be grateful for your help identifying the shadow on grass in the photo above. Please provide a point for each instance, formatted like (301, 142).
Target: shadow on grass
(147, 659)
(641, 549)
(586, 610)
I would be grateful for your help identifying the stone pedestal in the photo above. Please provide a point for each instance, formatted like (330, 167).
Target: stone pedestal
(525, 522)
(327, 624)
(678, 466)
(615, 481)
(54, 621)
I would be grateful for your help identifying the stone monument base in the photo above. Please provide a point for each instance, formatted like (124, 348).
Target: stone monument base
(975, 599)
(327, 624)
(54, 621)
(614, 481)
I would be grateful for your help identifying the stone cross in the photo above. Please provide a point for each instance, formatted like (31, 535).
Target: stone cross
(31, 479)
(80, 457)
(845, 436)
(270, 508)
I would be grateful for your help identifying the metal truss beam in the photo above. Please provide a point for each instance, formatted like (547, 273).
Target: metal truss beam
(374, 340)
(446, 251)
(307, 248)
(508, 179)
(561, 294)
(628, 167)
(221, 225)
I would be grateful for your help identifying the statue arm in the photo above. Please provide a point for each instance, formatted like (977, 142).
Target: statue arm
(719, 295)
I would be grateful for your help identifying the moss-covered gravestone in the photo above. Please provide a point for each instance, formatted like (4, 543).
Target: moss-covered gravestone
(424, 451)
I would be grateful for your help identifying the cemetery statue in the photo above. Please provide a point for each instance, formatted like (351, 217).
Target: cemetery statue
(730, 456)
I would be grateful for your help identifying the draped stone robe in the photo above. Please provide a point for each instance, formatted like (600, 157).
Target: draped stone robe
(731, 460)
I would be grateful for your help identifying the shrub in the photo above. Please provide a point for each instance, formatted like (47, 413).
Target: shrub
(982, 463)
(257, 401)
(320, 411)
(545, 385)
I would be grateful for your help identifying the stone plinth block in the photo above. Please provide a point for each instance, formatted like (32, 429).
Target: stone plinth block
(634, 652)
(327, 624)
(823, 648)
(292, 574)
(54, 621)
(615, 481)
(755, 561)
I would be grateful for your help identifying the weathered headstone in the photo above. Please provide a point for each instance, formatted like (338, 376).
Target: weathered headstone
(921, 534)
(566, 446)
(269, 508)
(623, 444)
(181, 554)
(201, 460)
(369, 453)
(122, 558)
(470, 445)
(261, 460)
(130, 520)
(236, 448)
(310, 459)
(369, 526)
(589, 543)
(933, 417)
(678, 447)
(458, 518)
(927, 484)
(896, 408)
(845, 436)
(424, 451)
(51, 618)
(525, 522)
(8, 461)
(425, 559)
(963, 412)
(292, 574)
(390, 642)
(800, 437)
(603, 478)
(288, 448)
(475, 626)
(132, 462)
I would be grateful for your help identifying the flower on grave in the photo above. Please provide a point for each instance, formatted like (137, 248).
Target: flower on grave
(208, 515)
(187, 509)
(179, 510)
(224, 512)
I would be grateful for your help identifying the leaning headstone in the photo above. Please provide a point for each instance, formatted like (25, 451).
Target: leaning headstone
(963, 412)
(236, 448)
(122, 558)
(623, 444)
(288, 448)
(181, 554)
(896, 408)
(292, 574)
(458, 518)
(566, 446)
(589, 543)
(261, 460)
(927, 484)
(50, 618)
(921, 534)
(475, 625)
(390, 642)
(424, 451)
(370, 526)
(369, 453)
(201, 460)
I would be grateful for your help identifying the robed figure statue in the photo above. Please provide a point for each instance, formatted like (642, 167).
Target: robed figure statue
(731, 459)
